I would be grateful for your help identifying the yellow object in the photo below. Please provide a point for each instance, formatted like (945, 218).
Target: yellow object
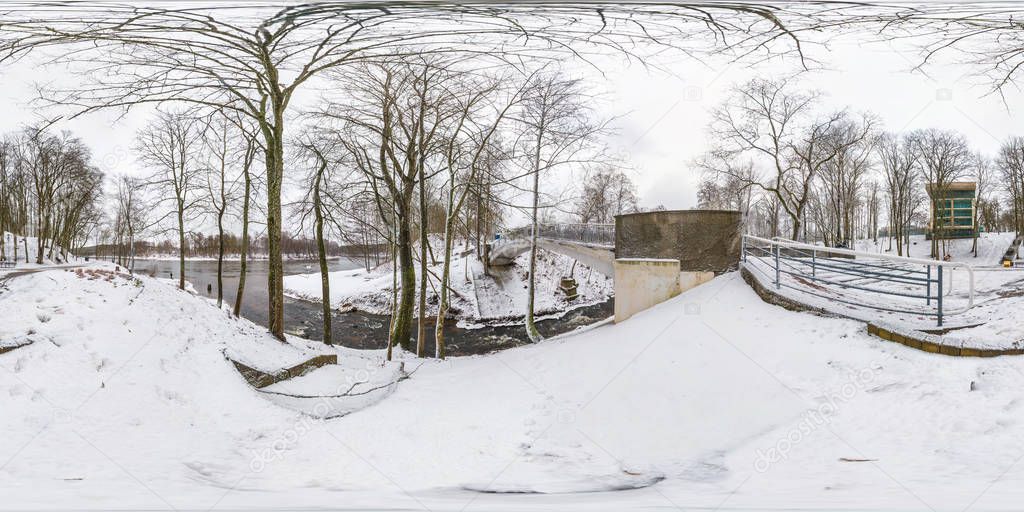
(1007, 263)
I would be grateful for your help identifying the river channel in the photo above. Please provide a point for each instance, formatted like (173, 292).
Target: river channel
(355, 329)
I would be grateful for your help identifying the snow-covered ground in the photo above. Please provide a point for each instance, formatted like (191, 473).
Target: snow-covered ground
(991, 247)
(711, 400)
(31, 244)
(476, 296)
(993, 322)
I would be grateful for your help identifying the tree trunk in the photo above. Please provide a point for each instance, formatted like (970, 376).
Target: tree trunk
(325, 282)
(274, 155)
(394, 292)
(442, 303)
(244, 249)
(220, 256)
(181, 246)
(531, 327)
(421, 322)
(40, 234)
(402, 332)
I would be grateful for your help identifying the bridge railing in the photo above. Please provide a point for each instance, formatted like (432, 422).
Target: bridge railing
(882, 282)
(589, 233)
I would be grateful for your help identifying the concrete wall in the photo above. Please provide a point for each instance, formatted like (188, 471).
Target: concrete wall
(702, 240)
(642, 283)
(689, 280)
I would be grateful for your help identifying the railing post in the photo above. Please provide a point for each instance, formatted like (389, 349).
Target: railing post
(777, 283)
(939, 296)
(743, 248)
(928, 294)
(814, 266)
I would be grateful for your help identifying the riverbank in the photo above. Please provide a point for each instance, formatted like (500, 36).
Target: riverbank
(360, 329)
(477, 297)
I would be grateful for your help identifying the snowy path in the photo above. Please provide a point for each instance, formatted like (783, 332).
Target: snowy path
(724, 401)
(991, 323)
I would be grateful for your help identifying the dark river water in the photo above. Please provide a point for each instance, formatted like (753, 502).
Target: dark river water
(355, 329)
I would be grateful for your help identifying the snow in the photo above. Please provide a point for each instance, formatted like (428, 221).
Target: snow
(712, 399)
(481, 297)
(991, 247)
(32, 245)
(992, 323)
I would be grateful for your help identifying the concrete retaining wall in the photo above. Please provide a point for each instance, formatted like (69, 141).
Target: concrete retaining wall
(642, 283)
(261, 379)
(702, 240)
(689, 280)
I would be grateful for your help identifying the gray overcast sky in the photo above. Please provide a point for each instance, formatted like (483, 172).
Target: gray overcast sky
(663, 115)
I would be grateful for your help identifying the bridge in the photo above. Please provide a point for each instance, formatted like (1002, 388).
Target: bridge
(591, 244)
(652, 256)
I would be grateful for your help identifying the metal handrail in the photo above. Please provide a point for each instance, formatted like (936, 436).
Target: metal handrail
(599, 234)
(775, 244)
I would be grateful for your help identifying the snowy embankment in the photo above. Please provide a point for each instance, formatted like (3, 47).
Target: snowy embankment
(992, 323)
(27, 250)
(713, 399)
(991, 247)
(475, 297)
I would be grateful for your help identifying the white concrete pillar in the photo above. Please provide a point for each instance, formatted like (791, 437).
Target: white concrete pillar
(641, 283)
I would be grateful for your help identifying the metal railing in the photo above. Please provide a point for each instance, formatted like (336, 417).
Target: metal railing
(882, 282)
(589, 233)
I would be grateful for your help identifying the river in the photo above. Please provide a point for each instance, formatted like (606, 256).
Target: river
(355, 329)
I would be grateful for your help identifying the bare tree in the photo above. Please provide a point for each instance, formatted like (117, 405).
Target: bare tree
(8, 195)
(726, 184)
(900, 174)
(842, 180)
(317, 182)
(766, 119)
(218, 142)
(1010, 163)
(944, 157)
(252, 60)
(987, 36)
(982, 180)
(471, 148)
(249, 153)
(169, 146)
(873, 200)
(391, 127)
(132, 212)
(606, 193)
(55, 185)
(557, 130)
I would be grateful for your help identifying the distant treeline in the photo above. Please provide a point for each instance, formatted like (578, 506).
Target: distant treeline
(207, 246)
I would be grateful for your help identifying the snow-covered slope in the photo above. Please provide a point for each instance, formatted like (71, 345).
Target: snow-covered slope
(28, 249)
(476, 295)
(713, 399)
(991, 247)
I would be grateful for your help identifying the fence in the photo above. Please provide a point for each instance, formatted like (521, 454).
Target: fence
(861, 279)
(597, 234)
